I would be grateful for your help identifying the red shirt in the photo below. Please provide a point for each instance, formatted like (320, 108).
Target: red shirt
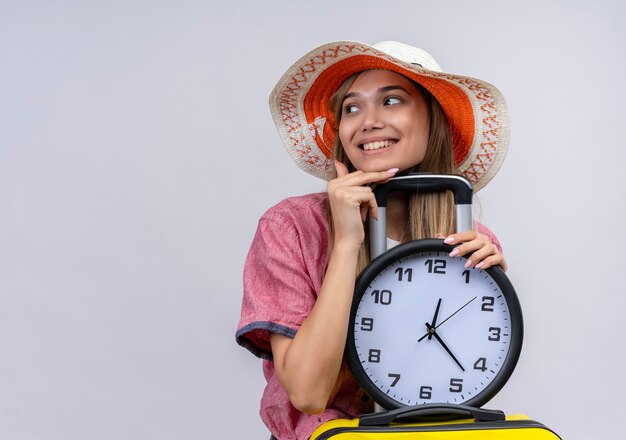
(283, 272)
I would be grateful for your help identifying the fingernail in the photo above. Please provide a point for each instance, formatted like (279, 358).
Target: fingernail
(479, 265)
(392, 170)
(468, 264)
(449, 240)
(454, 253)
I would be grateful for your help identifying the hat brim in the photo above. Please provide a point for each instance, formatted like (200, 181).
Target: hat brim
(475, 109)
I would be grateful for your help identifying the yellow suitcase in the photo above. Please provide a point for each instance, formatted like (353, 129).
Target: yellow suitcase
(436, 422)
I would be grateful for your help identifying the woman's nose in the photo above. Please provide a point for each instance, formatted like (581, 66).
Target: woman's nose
(371, 119)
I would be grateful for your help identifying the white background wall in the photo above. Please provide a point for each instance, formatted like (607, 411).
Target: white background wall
(137, 153)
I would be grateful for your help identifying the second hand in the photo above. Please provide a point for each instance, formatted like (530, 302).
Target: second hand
(441, 323)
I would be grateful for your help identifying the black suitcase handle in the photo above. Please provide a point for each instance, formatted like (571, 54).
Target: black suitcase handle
(423, 182)
(430, 410)
(427, 182)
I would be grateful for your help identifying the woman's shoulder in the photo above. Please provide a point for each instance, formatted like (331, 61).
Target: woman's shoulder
(299, 208)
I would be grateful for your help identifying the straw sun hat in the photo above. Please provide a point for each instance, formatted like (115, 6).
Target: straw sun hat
(476, 111)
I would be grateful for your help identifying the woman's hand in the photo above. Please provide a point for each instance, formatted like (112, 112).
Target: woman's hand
(308, 365)
(485, 253)
(350, 200)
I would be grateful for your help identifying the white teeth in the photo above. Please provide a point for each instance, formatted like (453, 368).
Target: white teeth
(377, 145)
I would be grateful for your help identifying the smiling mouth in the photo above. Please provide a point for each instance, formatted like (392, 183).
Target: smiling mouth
(377, 145)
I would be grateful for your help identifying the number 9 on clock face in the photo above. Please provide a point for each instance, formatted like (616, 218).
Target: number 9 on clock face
(424, 329)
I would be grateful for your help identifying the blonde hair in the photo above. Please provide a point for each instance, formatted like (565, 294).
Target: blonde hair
(428, 213)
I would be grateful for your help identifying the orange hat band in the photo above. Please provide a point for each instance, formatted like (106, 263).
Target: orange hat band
(454, 101)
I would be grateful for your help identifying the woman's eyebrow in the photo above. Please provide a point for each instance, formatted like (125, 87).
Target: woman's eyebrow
(394, 87)
(380, 91)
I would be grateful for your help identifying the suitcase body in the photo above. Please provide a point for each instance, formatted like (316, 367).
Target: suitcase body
(390, 425)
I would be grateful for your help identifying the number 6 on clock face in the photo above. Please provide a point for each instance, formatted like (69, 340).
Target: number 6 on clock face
(424, 329)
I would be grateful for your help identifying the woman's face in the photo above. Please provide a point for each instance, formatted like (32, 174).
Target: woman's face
(384, 122)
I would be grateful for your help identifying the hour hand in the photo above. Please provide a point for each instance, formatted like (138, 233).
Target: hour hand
(434, 323)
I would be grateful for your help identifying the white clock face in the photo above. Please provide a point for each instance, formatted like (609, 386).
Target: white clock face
(427, 330)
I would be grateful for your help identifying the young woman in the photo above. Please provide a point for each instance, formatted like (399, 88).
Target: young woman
(355, 115)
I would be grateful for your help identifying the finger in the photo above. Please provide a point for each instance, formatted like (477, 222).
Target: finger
(493, 260)
(352, 195)
(360, 178)
(460, 237)
(439, 236)
(474, 246)
(367, 201)
(373, 207)
(503, 264)
(364, 209)
(341, 169)
(465, 246)
(481, 254)
(360, 197)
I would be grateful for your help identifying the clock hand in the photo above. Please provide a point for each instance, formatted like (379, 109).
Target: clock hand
(434, 323)
(431, 330)
(460, 308)
(441, 323)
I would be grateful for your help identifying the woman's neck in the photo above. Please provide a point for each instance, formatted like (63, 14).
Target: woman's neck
(397, 215)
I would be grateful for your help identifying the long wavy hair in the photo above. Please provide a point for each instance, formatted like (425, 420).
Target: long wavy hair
(429, 214)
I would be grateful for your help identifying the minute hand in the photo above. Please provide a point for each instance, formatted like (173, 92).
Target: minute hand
(445, 347)
(441, 323)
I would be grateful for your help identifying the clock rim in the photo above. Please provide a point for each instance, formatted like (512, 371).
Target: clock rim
(433, 245)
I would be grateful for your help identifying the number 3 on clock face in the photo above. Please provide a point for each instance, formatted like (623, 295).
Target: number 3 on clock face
(424, 329)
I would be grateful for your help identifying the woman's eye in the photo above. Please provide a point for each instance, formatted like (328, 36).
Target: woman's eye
(350, 108)
(392, 100)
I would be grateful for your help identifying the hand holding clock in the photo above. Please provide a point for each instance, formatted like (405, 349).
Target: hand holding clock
(484, 253)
